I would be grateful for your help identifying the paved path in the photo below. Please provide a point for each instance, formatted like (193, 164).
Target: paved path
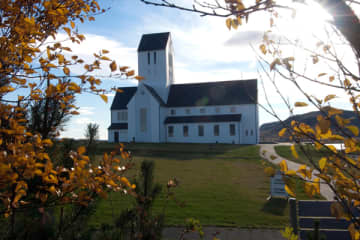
(174, 233)
(267, 150)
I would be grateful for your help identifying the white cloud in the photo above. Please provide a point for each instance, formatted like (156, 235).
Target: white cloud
(86, 110)
(123, 55)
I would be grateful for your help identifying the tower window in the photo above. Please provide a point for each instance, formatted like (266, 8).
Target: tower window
(148, 58)
(154, 57)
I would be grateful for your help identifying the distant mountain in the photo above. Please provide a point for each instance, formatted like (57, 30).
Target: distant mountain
(269, 131)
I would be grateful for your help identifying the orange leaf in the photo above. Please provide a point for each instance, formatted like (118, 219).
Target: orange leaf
(81, 150)
(104, 97)
(113, 66)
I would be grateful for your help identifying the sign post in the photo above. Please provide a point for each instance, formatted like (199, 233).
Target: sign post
(277, 188)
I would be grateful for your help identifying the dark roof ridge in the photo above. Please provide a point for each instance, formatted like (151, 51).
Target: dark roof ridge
(155, 33)
(155, 94)
(216, 82)
(153, 41)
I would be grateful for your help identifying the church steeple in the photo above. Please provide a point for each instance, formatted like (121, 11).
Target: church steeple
(155, 62)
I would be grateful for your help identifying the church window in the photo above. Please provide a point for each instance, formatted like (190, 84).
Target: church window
(154, 57)
(122, 116)
(202, 110)
(143, 119)
(232, 129)
(251, 132)
(148, 55)
(172, 111)
(216, 130)
(201, 130)
(217, 110)
(233, 109)
(247, 132)
(186, 131)
(170, 131)
(188, 111)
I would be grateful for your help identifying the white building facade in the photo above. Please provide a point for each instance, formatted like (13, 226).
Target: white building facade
(157, 110)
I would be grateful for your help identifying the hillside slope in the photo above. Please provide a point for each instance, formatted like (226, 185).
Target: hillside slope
(269, 131)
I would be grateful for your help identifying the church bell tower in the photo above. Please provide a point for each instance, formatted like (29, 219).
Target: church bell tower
(155, 62)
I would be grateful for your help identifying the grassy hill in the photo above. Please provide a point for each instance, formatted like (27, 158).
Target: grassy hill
(220, 184)
(269, 131)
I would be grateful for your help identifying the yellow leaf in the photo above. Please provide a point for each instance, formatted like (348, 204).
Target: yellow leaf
(105, 58)
(269, 171)
(66, 71)
(123, 69)
(228, 23)
(329, 97)
(282, 132)
(300, 104)
(81, 150)
(263, 49)
(316, 185)
(72, 24)
(113, 66)
(293, 151)
(27, 58)
(322, 74)
(139, 78)
(104, 97)
(331, 78)
(322, 162)
(274, 63)
(67, 30)
(234, 24)
(104, 51)
(283, 166)
(47, 142)
(130, 73)
(289, 191)
(290, 173)
(353, 129)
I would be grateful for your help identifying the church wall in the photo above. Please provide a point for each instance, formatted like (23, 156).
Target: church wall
(163, 115)
(248, 126)
(123, 135)
(193, 133)
(155, 117)
(143, 101)
(131, 120)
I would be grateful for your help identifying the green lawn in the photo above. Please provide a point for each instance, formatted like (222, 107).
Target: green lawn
(222, 185)
(285, 152)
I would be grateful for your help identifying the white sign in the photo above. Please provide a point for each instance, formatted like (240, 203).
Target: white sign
(278, 186)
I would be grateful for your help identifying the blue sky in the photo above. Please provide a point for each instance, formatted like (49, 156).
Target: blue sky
(205, 50)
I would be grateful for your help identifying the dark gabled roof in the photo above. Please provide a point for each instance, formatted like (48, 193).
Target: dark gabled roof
(213, 93)
(114, 126)
(155, 95)
(121, 99)
(153, 41)
(204, 119)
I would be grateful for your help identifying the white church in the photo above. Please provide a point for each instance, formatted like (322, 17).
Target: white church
(158, 111)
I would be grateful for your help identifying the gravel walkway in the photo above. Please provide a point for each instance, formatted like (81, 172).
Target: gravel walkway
(267, 150)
